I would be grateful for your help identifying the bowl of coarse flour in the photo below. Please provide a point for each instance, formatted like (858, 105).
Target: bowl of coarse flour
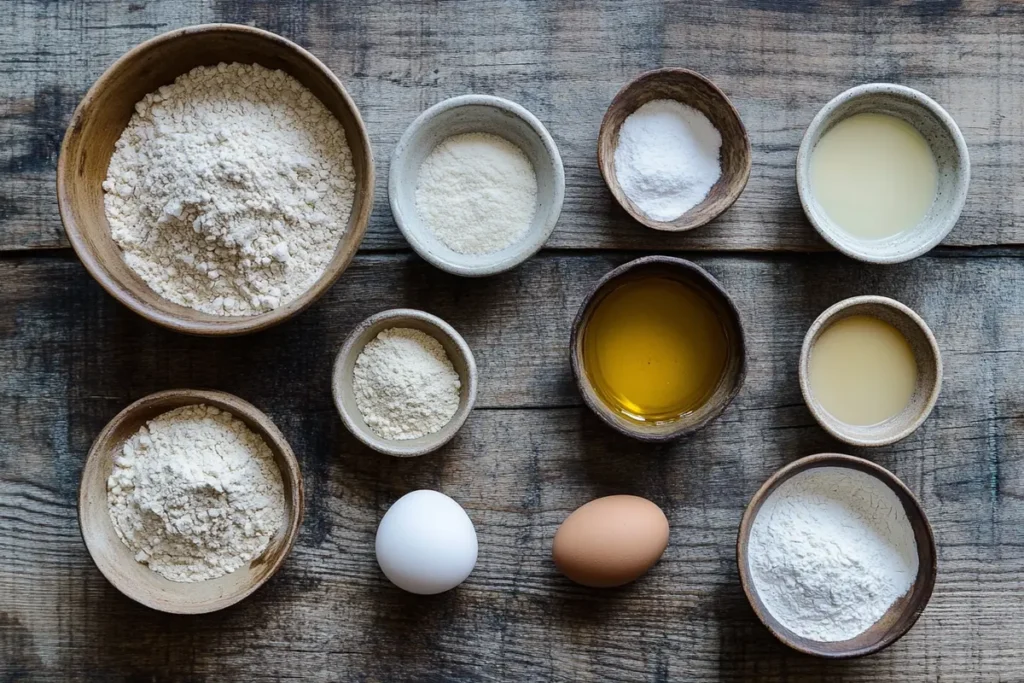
(216, 179)
(836, 556)
(190, 500)
(476, 185)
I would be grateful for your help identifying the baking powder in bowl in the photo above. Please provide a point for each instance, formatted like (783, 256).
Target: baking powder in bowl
(831, 549)
(667, 158)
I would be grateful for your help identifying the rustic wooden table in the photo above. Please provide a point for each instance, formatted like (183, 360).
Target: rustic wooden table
(71, 357)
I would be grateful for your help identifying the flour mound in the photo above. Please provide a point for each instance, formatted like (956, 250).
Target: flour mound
(830, 551)
(229, 190)
(195, 494)
(405, 386)
(477, 192)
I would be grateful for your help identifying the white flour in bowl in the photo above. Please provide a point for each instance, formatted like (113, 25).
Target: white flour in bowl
(195, 494)
(229, 190)
(831, 549)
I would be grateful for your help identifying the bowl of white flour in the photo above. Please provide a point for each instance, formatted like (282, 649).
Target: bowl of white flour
(216, 179)
(476, 185)
(836, 556)
(190, 500)
(404, 382)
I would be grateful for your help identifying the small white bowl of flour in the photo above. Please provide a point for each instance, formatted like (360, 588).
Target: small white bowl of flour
(476, 185)
(404, 382)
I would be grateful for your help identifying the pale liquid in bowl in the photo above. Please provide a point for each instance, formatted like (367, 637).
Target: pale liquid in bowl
(874, 175)
(862, 370)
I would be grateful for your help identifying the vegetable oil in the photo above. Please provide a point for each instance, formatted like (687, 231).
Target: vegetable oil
(655, 349)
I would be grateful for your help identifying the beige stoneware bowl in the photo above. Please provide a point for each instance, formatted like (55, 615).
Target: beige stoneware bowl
(116, 562)
(105, 111)
(475, 114)
(929, 370)
(903, 613)
(344, 397)
(947, 145)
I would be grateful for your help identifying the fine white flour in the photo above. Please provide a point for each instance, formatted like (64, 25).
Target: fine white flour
(477, 193)
(405, 386)
(229, 189)
(830, 550)
(667, 158)
(195, 494)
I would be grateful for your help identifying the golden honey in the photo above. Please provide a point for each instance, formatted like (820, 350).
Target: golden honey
(654, 349)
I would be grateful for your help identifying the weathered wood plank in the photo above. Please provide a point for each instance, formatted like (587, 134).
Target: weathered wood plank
(780, 60)
(70, 357)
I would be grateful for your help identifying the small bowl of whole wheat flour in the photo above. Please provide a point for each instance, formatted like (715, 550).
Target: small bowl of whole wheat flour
(190, 500)
(476, 185)
(404, 382)
(216, 179)
(673, 150)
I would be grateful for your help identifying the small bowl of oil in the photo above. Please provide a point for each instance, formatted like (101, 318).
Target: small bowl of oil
(658, 348)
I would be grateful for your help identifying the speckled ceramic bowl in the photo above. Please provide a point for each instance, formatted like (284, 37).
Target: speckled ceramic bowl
(475, 114)
(948, 147)
(929, 370)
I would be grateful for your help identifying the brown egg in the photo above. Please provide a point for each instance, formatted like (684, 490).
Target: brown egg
(610, 541)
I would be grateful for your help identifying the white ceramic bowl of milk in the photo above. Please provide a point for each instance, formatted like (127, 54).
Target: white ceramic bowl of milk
(883, 172)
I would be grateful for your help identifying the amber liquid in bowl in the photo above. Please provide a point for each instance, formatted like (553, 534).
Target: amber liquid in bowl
(655, 349)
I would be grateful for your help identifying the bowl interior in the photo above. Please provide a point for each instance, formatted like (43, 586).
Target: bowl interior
(698, 92)
(344, 397)
(929, 371)
(116, 562)
(732, 377)
(476, 114)
(903, 613)
(948, 148)
(106, 110)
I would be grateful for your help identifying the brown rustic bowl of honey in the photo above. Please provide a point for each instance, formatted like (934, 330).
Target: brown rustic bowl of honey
(658, 348)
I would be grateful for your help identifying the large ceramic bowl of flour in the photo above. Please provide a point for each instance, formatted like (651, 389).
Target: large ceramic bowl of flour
(146, 176)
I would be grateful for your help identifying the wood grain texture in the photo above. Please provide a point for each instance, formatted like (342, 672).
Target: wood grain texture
(778, 60)
(71, 357)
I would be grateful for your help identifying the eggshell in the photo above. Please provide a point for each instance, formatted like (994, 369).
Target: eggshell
(610, 541)
(426, 543)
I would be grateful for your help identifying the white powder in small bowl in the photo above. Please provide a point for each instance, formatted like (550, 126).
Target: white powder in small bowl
(477, 193)
(405, 385)
(667, 158)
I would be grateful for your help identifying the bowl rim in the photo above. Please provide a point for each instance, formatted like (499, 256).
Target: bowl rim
(265, 428)
(586, 389)
(396, 447)
(829, 459)
(669, 72)
(821, 323)
(231, 325)
(411, 235)
(824, 118)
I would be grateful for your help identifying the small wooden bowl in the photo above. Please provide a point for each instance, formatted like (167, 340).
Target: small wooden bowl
(694, 90)
(929, 370)
(736, 365)
(113, 558)
(458, 352)
(105, 111)
(903, 613)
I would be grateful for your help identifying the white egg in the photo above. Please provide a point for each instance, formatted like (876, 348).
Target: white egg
(426, 543)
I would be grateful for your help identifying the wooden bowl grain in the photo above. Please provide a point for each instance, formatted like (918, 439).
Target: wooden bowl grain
(455, 347)
(113, 558)
(903, 613)
(929, 370)
(736, 365)
(694, 90)
(105, 111)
